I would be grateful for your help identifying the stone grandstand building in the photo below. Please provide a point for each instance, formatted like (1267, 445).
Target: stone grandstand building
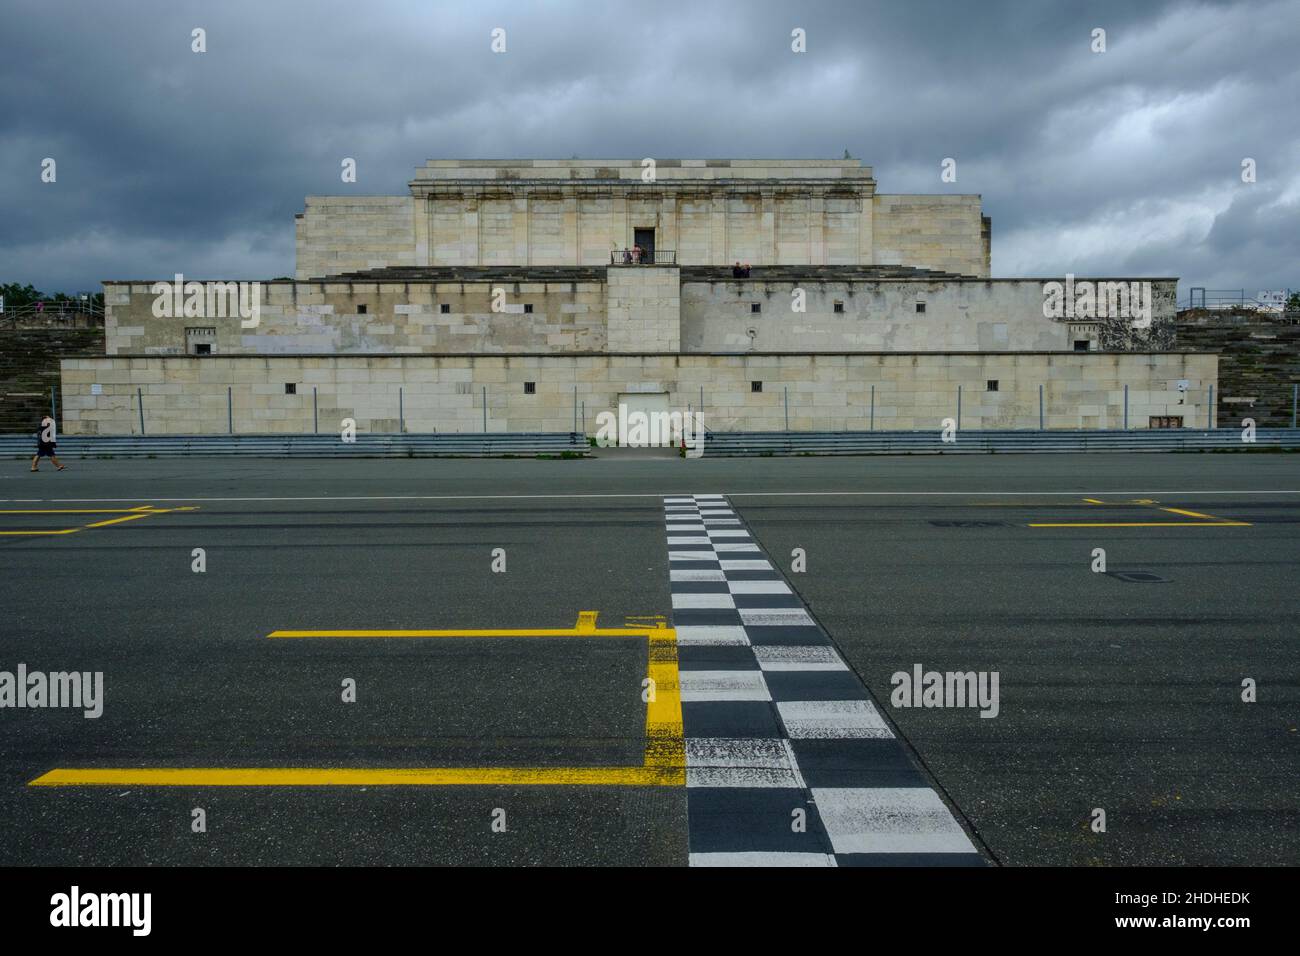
(515, 292)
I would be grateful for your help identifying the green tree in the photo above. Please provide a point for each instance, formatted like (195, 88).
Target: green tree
(16, 296)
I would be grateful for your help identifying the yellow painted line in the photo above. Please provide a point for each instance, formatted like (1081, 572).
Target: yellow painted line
(664, 763)
(361, 776)
(1094, 501)
(665, 744)
(502, 632)
(1190, 514)
(586, 627)
(1142, 524)
(1210, 521)
(129, 514)
(130, 517)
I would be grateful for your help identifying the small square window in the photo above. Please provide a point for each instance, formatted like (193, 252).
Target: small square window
(530, 388)
(1082, 345)
(528, 307)
(291, 388)
(839, 306)
(756, 307)
(203, 348)
(444, 308)
(992, 385)
(920, 307)
(755, 386)
(361, 310)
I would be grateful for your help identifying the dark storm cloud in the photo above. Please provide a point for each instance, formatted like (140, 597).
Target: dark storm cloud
(1122, 162)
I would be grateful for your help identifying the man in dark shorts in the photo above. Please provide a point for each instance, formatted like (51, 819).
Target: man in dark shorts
(45, 444)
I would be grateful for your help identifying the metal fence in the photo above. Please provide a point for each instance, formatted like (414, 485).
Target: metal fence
(1199, 297)
(724, 444)
(468, 445)
(647, 257)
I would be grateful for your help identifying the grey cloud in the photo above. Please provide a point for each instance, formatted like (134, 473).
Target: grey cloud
(171, 161)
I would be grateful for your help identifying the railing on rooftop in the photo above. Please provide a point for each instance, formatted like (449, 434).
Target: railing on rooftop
(645, 257)
(50, 312)
(1199, 297)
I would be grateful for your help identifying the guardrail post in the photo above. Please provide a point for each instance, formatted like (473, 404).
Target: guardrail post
(401, 413)
(786, 391)
(575, 408)
(701, 399)
(1041, 418)
(230, 410)
(139, 399)
(1295, 395)
(1209, 408)
(873, 408)
(1125, 408)
(958, 408)
(484, 409)
(584, 417)
(315, 412)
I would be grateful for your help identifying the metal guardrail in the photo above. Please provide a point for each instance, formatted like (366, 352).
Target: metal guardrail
(52, 310)
(718, 444)
(723, 444)
(467, 445)
(647, 257)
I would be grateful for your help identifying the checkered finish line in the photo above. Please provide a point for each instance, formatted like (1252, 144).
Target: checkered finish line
(776, 723)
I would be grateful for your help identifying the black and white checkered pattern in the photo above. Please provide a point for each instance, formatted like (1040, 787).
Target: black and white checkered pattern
(776, 722)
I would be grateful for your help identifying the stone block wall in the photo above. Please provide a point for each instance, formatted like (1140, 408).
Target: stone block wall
(327, 317)
(942, 232)
(991, 314)
(184, 395)
(644, 309)
(337, 234)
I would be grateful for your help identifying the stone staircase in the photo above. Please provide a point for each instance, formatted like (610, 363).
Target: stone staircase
(29, 368)
(1259, 361)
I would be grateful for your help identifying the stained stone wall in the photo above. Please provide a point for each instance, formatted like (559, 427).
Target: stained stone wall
(327, 317)
(987, 314)
(635, 309)
(184, 395)
(1259, 361)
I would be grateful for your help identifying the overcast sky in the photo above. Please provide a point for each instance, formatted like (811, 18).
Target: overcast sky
(1126, 162)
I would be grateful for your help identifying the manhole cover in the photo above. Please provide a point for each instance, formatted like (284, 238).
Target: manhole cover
(1138, 577)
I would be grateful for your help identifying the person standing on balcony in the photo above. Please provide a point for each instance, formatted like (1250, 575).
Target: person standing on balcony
(45, 441)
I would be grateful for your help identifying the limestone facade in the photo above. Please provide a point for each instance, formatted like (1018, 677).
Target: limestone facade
(855, 391)
(703, 212)
(620, 309)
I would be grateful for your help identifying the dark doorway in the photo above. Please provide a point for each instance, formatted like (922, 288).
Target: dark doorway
(645, 238)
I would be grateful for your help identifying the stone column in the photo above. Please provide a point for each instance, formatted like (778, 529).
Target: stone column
(571, 224)
(719, 254)
(471, 239)
(520, 226)
(668, 218)
(865, 254)
(767, 227)
(817, 228)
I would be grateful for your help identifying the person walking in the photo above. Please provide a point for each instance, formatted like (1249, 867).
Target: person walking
(45, 441)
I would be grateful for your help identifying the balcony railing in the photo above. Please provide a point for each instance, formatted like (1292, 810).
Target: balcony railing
(645, 257)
